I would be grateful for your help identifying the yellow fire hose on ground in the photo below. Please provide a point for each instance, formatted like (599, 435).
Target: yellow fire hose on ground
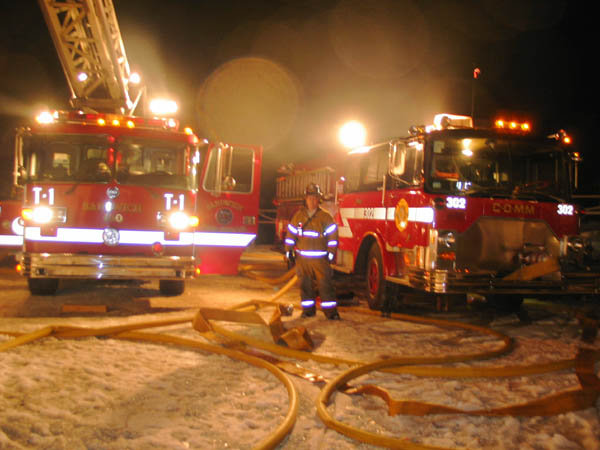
(251, 350)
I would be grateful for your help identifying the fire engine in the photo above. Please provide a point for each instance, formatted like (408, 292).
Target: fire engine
(111, 195)
(453, 209)
(11, 228)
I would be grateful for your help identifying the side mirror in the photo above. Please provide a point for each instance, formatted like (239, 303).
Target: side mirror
(21, 176)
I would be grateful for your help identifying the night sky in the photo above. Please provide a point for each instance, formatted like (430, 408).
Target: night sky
(286, 74)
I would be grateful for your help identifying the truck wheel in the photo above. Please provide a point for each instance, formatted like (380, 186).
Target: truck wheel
(171, 287)
(375, 281)
(505, 303)
(509, 304)
(42, 286)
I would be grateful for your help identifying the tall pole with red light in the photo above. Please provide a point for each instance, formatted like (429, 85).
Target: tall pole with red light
(476, 74)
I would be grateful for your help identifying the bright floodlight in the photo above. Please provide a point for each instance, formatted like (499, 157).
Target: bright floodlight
(45, 117)
(135, 78)
(163, 107)
(352, 134)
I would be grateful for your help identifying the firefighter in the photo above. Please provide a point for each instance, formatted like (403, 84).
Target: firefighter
(311, 242)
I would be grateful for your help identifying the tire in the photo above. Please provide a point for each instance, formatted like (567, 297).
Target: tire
(510, 304)
(171, 287)
(42, 286)
(374, 279)
(505, 303)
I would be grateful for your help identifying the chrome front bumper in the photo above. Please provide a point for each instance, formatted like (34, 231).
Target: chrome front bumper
(64, 265)
(560, 283)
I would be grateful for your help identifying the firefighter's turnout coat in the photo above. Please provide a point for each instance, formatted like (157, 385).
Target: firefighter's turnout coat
(315, 240)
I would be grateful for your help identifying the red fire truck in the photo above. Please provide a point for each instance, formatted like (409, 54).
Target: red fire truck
(107, 196)
(110, 195)
(452, 209)
(11, 228)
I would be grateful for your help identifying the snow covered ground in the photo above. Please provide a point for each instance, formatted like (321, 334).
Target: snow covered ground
(104, 393)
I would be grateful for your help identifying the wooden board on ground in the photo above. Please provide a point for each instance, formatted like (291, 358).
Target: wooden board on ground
(84, 308)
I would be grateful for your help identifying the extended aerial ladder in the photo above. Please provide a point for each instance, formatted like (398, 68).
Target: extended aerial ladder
(88, 41)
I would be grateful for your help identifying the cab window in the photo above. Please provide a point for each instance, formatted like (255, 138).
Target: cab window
(406, 162)
(230, 169)
(365, 171)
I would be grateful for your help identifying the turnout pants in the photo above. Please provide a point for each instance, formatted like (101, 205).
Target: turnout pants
(317, 272)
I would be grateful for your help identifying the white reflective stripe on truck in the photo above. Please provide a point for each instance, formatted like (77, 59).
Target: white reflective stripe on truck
(419, 214)
(94, 236)
(11, 240)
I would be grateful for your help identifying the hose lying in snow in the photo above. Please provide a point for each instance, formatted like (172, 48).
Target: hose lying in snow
(245, 350)
(251, 272)
(129, 332)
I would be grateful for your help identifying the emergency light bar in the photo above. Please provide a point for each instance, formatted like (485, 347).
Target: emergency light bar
(512, 125)
(161, 106)
(448, 121)
(105, 119)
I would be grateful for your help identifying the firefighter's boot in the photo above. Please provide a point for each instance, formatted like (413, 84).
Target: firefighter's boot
(309, 311)
(331, 313)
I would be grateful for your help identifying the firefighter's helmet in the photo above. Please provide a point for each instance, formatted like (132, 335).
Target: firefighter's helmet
(313, 189)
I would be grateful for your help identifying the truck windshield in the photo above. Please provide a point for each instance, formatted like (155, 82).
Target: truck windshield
(153, 162)
(66, 158)
(93, 158)
(502, 166)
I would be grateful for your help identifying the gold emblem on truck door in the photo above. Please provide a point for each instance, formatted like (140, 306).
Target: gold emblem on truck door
(401, 214)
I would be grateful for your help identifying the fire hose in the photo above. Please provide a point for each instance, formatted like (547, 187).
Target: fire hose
(252, 351)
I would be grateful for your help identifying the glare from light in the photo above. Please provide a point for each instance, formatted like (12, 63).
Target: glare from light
(42, 214)
(82, 76)
(352, 134)
(163, 107)
(27, 213)
(442, 121)
(467, 147)
(45, 117)
(135, 78)
(179, 220)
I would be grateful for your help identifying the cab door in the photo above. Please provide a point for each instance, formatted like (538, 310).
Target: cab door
(228, 202)
(408, 211)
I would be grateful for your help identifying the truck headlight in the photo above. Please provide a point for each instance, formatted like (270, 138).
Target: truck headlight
(180, 220)
(40, 214)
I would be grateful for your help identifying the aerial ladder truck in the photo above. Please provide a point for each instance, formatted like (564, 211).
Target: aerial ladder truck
(112, 195)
